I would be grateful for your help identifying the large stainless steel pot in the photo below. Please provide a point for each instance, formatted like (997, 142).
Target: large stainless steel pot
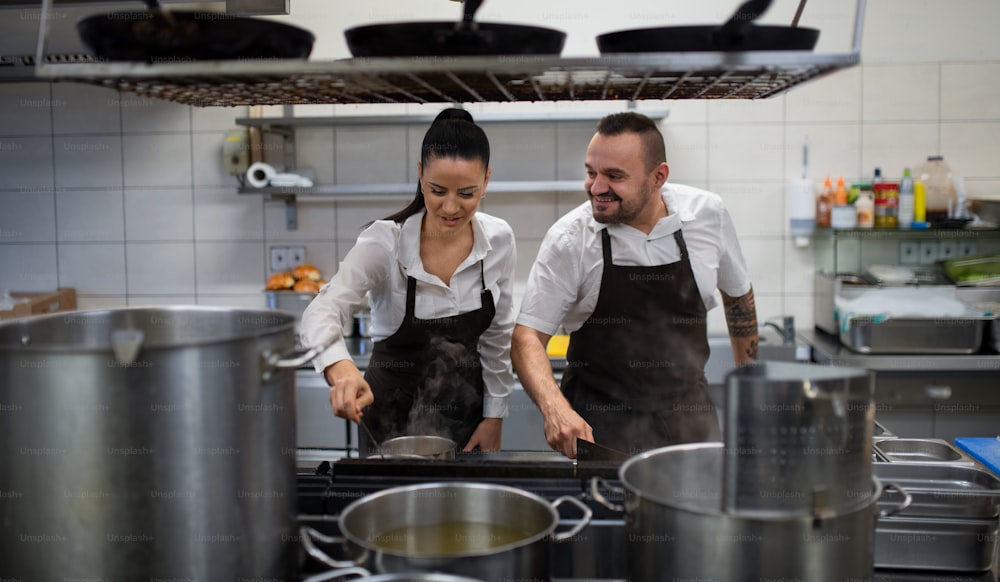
(416, 447)
(148, 444)
(369, 522)
(676, 528)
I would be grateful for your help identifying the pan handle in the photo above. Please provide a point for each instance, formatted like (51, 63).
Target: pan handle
(731, 34)
(293, 359)
(338, 574)
(587, 516)
(595, 491)
(907, 500)
(308, 534)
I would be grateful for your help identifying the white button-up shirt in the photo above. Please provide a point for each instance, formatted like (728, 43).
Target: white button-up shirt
(565, 280)
(384, 254)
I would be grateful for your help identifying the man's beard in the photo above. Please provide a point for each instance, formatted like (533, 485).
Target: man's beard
(627, 211)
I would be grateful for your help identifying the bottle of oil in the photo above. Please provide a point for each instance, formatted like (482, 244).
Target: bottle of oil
(824, 205)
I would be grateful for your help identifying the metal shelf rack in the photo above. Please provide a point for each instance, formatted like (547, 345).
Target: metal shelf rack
(639, 76)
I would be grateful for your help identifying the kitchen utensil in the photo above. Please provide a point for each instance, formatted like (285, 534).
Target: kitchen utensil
(417, 446)
(942, 490)
(130, 465)
(984, 450)
(799, 438)
(184, 36)
(448, 38)
(739, 33)
(371, 437)
(367, 523)
(587, 451)
(952, 545)
(676, 527)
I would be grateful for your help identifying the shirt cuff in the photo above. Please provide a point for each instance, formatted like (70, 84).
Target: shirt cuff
(337, 352)
(495, 407)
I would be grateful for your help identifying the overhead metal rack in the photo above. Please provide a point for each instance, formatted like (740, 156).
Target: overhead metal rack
(638, 76)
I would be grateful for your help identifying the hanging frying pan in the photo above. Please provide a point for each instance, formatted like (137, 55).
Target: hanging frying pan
(448, 38)
(739, 33)
(156, 35)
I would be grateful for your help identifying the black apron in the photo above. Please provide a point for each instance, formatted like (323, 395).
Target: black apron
(635, 370)
(427, 377)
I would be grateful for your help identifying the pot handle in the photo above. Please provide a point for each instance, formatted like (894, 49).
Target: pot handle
(907, 500)
(308, 534)
(595, 491)
(293, 359)
(338, 574)
(587, 515)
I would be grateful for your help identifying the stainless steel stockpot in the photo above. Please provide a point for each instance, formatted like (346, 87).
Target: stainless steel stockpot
(676, 526)
(366, 520)
(149, 443)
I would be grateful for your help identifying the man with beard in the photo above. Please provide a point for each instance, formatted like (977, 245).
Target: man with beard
(631, 274)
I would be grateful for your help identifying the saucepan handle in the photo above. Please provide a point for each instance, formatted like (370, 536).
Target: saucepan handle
(907, 500)
(309, 534)
(293, 359)
(596, 483)
(338, 574)
(587, 516)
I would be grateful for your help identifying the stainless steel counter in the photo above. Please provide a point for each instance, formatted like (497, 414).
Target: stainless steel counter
(827, 349)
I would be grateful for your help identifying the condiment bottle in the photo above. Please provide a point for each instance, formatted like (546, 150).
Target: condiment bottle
(840, 194)
(937, 178)
(823, 205)
(865, 205)
(906, 200)
(886, 204)
(919, 205)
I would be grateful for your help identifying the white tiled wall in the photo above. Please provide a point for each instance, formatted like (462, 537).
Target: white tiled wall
(125, 198)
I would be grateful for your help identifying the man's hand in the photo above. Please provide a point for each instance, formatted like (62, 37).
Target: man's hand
(349, 392)
(563, 426)
(487, 437)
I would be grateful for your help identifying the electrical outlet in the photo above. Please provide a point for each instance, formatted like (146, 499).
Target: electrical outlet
(279, 259)
(928, 251)
(296, 256)
(909, 252)
(947, 249)
(967, 248)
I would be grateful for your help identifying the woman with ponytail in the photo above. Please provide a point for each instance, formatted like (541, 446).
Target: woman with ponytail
(439, 277)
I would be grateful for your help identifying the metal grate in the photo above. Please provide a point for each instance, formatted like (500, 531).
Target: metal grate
(752, 75)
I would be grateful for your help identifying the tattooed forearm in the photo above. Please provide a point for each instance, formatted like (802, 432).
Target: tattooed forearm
(741, 317)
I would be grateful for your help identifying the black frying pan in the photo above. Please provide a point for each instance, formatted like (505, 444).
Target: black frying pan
(157, 36)
(448, 38)
(739, 33)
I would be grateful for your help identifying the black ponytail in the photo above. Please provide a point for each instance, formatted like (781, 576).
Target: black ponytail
(453, 134)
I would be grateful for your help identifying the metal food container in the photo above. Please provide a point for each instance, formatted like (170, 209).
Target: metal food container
(941, 490)
(982, 271)
(830, 286)
(954, 545)
(874, 334)
(290, 301)
(915, 450)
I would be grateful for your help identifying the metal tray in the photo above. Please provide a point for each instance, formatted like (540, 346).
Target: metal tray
(958, 545)
(983, 271)
(911, 450)
(869, 334)
(940, 490)
(880, 431)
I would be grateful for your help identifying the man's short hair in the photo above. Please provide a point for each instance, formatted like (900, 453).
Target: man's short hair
(637, 123)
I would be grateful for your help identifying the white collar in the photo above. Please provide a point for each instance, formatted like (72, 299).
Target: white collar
(409, 247)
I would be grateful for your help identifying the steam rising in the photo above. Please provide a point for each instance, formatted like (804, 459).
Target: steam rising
(441, 403)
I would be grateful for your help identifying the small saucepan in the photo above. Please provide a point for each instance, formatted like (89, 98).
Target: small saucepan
(416, 447)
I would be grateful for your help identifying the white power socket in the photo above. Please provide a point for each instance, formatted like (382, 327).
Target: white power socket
(279, 259)
(947, 249)
(909, 253)
(967, 248)
(296, 256)
(928, 251)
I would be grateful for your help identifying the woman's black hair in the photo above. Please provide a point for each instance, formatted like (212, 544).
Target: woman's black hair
(452, 134)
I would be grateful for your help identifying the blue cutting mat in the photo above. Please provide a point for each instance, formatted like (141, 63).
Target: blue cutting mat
(984, 450)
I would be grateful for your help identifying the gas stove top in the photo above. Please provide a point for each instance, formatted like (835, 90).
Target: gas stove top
(597, 553)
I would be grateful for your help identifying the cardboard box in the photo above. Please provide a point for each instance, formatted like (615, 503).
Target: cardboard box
(63, 299)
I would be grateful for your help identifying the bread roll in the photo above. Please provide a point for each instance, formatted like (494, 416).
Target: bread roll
(307, 271)
(280, 282)
(306, 286)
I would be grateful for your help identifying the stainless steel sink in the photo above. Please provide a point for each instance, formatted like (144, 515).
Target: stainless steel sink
(771, 349)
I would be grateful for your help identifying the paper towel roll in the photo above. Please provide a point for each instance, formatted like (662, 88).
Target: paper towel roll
(259, 174)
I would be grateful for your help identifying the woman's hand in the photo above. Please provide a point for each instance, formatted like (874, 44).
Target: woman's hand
(487, 435)
(349, 391)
